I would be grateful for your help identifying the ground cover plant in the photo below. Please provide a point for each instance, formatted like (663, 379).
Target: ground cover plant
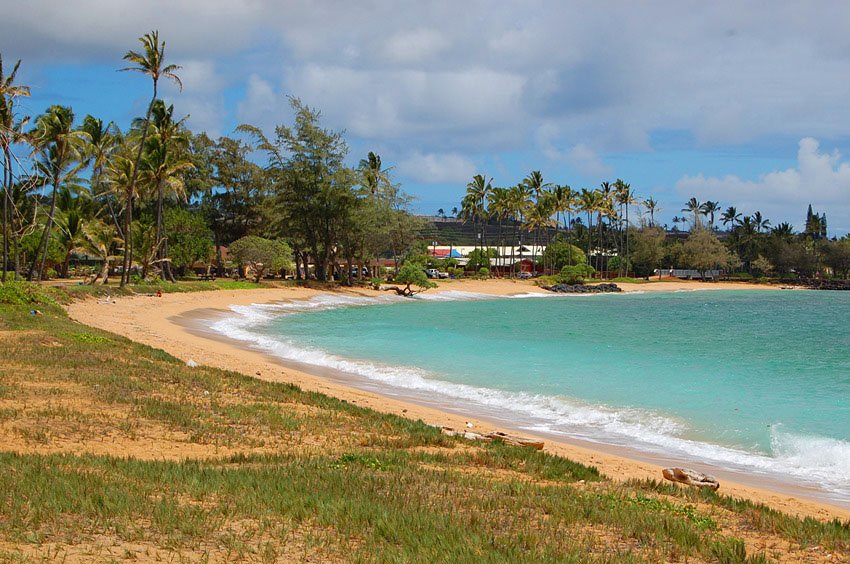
(111, 450)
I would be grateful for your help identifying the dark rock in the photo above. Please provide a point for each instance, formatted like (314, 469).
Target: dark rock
(820, 283)
(584, 288)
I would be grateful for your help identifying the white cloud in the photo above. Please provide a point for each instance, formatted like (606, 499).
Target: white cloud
(583, 158)
(821, 179)
(437, 168)
(261, 105)
(415, 46)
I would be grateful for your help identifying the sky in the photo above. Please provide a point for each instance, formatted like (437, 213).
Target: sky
(747, 103)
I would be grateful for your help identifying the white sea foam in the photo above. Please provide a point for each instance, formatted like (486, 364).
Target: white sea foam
(813, 459)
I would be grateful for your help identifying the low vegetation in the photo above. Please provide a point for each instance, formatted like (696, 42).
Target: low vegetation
(112, 450)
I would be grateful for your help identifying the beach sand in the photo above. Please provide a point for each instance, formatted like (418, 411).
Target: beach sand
(163, 322)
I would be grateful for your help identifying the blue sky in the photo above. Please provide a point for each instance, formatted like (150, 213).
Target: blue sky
(747, 104)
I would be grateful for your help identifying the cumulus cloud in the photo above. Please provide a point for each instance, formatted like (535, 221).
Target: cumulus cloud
(583, 158)
(437, 168)
(821, 179)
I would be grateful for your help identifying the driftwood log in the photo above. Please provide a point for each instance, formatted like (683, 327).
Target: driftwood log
(504, 437)
(690, 478)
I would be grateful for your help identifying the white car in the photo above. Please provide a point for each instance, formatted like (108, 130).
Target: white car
(434, 273)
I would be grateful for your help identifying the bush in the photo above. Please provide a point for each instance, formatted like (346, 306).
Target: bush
(24, 293)
(456, 272)
(483, 273)
(575, 274)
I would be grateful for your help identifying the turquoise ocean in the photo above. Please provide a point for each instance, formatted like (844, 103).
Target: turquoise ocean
(753, 381)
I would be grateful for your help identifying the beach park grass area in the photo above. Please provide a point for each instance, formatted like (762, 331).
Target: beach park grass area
(111, 450)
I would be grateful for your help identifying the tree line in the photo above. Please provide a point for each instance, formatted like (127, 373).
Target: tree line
(618, 232)
(153, 198)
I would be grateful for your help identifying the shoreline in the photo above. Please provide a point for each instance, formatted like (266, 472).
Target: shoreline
(164, 323)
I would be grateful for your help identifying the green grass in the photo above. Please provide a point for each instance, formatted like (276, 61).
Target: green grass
(245, 469)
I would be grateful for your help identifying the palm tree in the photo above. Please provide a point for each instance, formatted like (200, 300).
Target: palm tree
(784, 230)
(8, 128)
(652, 207)
(373, 175)
(519, 202)
(102, 143)
(62, 152)
(731, 216)
(161, 167)
(760, 223)
(592, 202)
(98, 239)
(625, 198)
(709, 208)
(152, 63)
(695, 208)
(498, 206)
(536, 186)
(477, 192)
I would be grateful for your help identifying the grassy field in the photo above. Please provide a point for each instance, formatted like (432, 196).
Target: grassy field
(110, 450)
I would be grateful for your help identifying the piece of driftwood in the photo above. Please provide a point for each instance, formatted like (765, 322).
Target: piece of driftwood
(504, 437)
(690, 478)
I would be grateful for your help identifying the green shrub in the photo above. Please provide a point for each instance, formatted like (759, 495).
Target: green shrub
(24, 293)
(575, 274)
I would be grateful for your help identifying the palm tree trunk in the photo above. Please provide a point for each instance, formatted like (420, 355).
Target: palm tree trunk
(7, 183)
(128, 215)
(45, 235)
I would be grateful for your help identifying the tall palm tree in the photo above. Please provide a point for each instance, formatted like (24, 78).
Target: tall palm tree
(536, 186)
(161, 166)
(652, 207)
(593, 202)
(625, 197)
(731, 216)
(498, 206)
(61, 156)
(695, 207)
(477, 193)
(103, 141)
(9, 91)
(519, 202)
(709, 208)
(151, 61)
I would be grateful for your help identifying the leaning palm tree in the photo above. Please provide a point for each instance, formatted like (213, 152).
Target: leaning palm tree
(61, 156)
(9, 91)
(151, 61)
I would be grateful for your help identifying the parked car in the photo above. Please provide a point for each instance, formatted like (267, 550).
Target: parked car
(524, 275)
(434, 273)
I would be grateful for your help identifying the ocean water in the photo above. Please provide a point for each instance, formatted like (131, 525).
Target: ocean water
(757, 381)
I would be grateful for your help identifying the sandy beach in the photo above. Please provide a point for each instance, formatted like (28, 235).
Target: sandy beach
(161, 322)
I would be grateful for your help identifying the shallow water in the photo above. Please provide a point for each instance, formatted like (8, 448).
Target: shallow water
(754, 380)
